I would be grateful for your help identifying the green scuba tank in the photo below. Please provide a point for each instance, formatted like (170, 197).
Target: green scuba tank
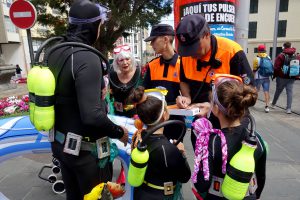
(240, 171)
(138, 165)
(32, 75)
(140, 155)
(44, 100)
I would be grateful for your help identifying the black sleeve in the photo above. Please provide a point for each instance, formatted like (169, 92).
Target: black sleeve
(88, 76)
(177, 164)
(147, 79)
(214, 161)
(239, 66)
(260, 168)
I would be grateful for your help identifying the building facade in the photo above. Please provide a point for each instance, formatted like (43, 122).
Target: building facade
(13, 41)
(261, 25)
(141, 50)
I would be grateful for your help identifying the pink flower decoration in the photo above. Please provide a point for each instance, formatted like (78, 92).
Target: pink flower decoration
(203, 128)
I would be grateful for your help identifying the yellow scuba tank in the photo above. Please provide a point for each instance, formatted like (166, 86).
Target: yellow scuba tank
(138, 165)
(32, 75)
(140, 155)
(44, 89)
(241, 168)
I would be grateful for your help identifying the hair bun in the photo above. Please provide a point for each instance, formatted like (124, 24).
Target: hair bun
(137, 95)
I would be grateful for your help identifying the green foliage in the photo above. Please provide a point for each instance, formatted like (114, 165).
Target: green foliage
(126, 14)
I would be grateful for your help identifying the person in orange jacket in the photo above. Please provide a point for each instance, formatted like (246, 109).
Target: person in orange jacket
(202, 56)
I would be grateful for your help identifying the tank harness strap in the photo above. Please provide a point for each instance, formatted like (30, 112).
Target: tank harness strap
(85, 146)
(216, 184)
(65, 100)
(156, 186)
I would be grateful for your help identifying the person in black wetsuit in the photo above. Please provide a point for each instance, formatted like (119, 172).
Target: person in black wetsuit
(123, 79)
(230, 100)
(79, 108)
(167, 163)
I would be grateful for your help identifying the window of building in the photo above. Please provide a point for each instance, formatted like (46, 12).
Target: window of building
(135, 38)
(278, 51)
(36, 44)
(282, 28)
(127, 39)
(252, 30)
(255, 50)
(284, 6)
(135, 50)
(253, 6)
(10, 27)
(7, 2)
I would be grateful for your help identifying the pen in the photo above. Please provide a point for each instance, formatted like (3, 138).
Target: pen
(180, 93)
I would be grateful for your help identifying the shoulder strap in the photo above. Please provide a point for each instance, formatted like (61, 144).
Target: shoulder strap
(155, 146)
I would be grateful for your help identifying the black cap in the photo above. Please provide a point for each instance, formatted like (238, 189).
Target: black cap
(188, 33)
(160, 30)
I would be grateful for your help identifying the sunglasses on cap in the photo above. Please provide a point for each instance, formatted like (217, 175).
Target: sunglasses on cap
(160, 93)
(217, 80)
(118, 49)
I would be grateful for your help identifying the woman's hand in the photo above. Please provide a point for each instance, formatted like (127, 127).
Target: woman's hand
(203, 107)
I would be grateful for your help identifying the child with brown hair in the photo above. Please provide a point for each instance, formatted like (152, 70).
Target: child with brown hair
(167, 163)
(230, 99)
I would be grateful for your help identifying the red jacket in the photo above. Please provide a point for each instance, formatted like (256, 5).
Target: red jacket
(279, 61)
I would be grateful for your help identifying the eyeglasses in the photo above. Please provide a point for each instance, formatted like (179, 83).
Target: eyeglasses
(221, 78)
(217, 80)
(118, 49)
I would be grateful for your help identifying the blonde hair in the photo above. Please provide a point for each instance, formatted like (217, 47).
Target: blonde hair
(123, 54)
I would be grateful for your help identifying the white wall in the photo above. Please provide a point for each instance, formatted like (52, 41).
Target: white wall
(265, 26)
(14, 54)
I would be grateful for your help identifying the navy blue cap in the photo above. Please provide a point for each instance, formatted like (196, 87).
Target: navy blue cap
(160, 30)
(188, 33)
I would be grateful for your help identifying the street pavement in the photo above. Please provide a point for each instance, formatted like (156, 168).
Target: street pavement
(19, 176)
